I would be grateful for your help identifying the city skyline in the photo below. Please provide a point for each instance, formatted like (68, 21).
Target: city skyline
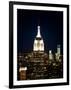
(27, 29)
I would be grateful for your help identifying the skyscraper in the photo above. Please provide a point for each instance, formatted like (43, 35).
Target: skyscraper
(38, 42)
(58, 49)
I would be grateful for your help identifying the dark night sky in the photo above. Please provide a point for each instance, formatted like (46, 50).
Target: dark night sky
(51, 25)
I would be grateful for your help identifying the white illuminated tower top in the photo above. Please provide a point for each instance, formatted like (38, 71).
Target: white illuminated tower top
(38, 33)
(38, 42)
(58, 49)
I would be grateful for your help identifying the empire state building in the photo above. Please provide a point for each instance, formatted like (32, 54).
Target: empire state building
(38, 42)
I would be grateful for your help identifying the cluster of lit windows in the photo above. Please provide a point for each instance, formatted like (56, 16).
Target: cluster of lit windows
(38, 45)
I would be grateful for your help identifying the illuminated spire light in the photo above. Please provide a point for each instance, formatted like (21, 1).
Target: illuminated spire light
(38, 42)
(38, 33)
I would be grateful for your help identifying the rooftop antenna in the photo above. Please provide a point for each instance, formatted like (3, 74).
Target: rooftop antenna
(38, 20)
(38, 28)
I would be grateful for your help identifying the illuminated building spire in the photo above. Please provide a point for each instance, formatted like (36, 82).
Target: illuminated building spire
(38, 42)
(38, 33)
